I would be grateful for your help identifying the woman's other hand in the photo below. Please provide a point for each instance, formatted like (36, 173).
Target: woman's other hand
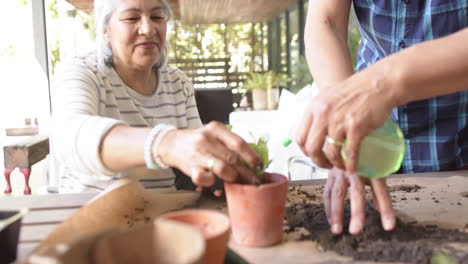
(208, 152)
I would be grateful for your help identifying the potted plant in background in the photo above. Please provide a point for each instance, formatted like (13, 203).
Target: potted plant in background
(265, 88)
(257, 209)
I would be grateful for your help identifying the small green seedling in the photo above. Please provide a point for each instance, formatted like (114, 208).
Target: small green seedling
(260, 146)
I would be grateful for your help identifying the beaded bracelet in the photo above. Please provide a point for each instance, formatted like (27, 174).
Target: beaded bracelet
(150, 139)
(156, 144)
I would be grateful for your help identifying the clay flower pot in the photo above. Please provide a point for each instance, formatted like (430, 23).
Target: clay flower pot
(161, 241)
(214, 226)
(257, 211)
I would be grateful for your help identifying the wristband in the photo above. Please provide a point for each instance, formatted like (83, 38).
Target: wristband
(150, 139)
(156, 144)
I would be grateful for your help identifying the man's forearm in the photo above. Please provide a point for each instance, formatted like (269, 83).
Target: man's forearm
(327, 50)
(429, 69)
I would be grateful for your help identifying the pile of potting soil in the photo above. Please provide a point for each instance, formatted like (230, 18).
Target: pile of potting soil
(407, 243)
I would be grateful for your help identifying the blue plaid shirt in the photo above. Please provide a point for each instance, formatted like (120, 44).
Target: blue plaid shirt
(436, 130)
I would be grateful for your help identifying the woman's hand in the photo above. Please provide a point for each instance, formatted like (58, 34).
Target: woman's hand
(335, 193)
(208, 152)
(350, 110)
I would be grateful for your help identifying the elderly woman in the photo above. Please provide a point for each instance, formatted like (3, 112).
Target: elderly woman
(122, 107)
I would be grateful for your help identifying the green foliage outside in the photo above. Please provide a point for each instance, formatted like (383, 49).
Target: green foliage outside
(89, 24)
(55, 53)
(8, 50)
(354, 38)
(55, 46)
(300, 75)
(267, 80)
(52, 4)
(23, 2)
(239, 42)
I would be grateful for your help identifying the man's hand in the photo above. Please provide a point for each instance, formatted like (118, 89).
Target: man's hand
(350, 110)
(335, 193)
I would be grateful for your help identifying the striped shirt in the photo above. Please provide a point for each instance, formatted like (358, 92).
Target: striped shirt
(89, 99)
(436, 129)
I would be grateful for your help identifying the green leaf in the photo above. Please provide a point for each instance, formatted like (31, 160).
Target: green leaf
(267, 80)
(262, 150)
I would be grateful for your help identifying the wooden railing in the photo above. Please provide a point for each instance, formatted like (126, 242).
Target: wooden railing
(210, 73)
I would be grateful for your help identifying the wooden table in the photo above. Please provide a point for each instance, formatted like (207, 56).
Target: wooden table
(451, 210)
(46, 211)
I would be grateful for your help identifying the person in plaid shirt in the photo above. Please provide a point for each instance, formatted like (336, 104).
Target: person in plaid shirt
(412, 66)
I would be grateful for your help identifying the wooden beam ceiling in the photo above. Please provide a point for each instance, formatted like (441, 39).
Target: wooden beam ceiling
(215, 11)
(87, 6)
(230, 11)
(83, 5)
(175, 8)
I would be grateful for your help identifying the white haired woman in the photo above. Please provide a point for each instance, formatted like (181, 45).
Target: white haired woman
(122, 107)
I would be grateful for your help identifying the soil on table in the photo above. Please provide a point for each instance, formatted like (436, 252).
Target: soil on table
(408, 243)
(405, 188)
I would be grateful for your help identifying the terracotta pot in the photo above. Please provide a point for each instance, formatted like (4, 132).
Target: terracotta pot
(162, 241)
(214, 226)
(257, 211)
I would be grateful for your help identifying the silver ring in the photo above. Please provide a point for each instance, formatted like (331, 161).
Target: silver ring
(210, 163)
(333, 142)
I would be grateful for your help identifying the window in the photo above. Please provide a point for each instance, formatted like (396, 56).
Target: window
(24, 80)
(36, 35)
